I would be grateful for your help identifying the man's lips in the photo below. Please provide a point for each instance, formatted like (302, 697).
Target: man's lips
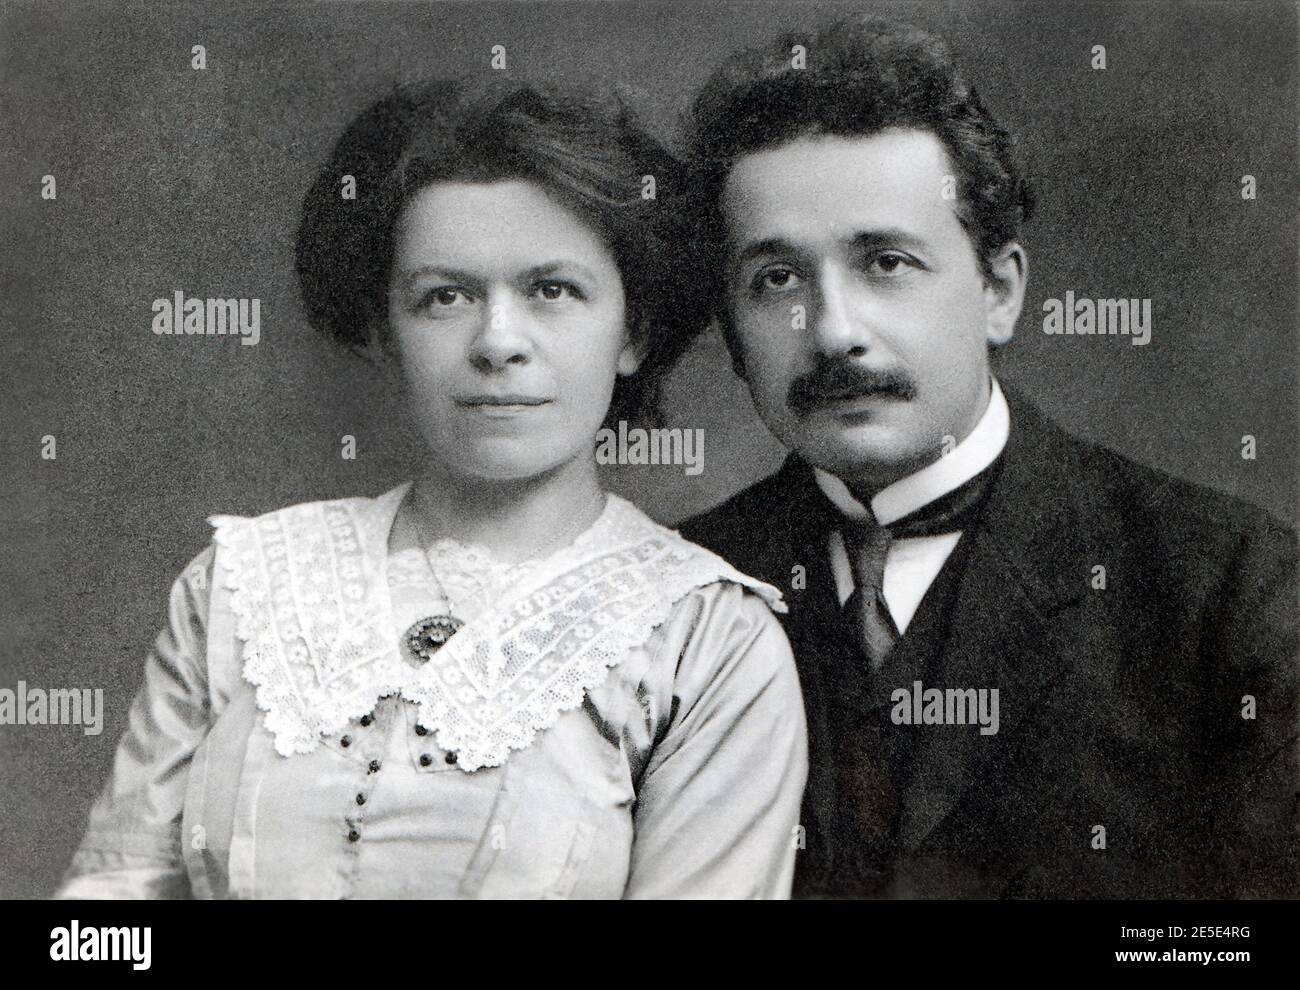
(850, 393)
(812, 400)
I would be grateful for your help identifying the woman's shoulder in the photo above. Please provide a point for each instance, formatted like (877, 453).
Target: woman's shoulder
(337, 514)
(321, 556)
(345, 536)
(701, 620)
(715, 642)
(683, 569)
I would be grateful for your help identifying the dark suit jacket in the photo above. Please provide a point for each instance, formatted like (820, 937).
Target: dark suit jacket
(1120, 707)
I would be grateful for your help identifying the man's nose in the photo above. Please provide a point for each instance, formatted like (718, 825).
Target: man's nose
(504, 336)
(838, 325)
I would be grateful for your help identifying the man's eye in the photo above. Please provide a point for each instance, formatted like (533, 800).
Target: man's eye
(445, 296)
(775, 280)
(890, 262)
(554, 291)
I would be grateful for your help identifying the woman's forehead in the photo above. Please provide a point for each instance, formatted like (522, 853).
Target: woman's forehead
(506, 226)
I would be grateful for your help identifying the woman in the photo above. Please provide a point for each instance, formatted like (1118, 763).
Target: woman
(496, 680)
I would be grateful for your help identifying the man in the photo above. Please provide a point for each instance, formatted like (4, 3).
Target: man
(1032, 667)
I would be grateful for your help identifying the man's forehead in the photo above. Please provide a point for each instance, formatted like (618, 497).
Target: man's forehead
(827, 185)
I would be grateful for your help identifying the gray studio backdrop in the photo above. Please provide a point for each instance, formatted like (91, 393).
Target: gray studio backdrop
(170, 178)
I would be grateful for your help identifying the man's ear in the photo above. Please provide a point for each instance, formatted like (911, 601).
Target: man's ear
(1004, 292)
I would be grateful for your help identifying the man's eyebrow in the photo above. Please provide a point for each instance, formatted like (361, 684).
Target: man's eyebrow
(757, 249)
(887, 236)
(861, 240)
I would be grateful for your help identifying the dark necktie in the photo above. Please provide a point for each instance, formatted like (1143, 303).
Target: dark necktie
(869, 761)
(866, 542)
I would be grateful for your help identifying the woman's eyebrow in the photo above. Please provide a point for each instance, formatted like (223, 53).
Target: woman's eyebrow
(406, 278)
(544, 270)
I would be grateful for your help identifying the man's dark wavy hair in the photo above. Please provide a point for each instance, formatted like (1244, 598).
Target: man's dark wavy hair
(585, 150)
(863, 75)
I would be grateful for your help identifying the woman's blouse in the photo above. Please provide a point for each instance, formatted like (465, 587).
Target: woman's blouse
(621, 718)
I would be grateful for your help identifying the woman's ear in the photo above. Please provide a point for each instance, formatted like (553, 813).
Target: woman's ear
(382, 356)
(634, 351)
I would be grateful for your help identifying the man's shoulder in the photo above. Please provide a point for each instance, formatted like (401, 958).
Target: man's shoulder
(734, 526)
(1114, 492)
(758, 499)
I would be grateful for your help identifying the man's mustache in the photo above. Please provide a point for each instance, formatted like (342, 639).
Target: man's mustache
(840, 379)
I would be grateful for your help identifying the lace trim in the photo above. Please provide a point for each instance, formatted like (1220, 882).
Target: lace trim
(310, 594)
(304, 596)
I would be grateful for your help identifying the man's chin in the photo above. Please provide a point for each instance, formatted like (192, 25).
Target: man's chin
(871, 454)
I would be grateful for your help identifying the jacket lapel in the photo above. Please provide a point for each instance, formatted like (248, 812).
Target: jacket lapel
(1027, 562)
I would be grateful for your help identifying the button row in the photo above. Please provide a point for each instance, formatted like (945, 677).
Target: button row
(368, 720)
(425, 758)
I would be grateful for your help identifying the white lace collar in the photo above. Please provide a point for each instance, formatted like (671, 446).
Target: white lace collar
(310, 594)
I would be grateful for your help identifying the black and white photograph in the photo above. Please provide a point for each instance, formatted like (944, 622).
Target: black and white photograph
(839, 452)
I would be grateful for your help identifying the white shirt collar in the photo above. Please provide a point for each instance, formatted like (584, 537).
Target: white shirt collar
(980, 449)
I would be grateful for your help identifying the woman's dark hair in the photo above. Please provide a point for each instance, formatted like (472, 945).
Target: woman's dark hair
(861, 76)
(585, 150)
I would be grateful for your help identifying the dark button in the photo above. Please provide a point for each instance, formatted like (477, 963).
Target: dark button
(450, 758)
(345, 741)
(425, 759)
(361, 799)
(366, 720)
(421, 730)
(374, 766)
(354, 835)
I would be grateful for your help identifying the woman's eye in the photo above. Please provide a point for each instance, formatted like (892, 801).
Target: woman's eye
(775, 280)
(555, 291)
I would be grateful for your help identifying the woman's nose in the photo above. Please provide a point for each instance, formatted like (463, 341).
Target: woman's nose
(504, 336)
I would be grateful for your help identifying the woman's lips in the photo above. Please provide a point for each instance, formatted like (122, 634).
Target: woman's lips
(507, 404)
